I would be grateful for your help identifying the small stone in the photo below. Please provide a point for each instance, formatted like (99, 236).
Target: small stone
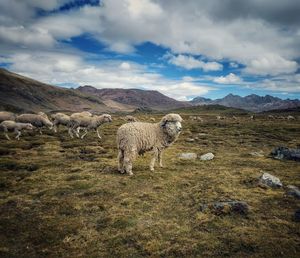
(269, 180)
(189, 140)
(226, 207)
(257, 154)
(297, 215)
(188, 155)
(207, 156)
(293, 191)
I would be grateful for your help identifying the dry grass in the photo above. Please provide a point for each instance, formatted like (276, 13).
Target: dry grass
(64, 198)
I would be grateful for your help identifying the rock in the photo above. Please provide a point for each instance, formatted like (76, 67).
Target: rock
(257, 154)
(226, 207)
(297, 215)
(286, 153)
(207, 156)
(189, 140)
(269, 180)
(202, 134)
(293, 191)
(188, 155)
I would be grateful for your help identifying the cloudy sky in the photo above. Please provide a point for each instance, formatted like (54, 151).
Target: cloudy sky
(182, 48)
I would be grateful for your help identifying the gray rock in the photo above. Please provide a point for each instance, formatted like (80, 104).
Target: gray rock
(207, 156)
(297, 215)
(269, 180)
(188, 155)
(293, 191)
(189, 140)
(257, 154)
(286, 153)
(226, 207)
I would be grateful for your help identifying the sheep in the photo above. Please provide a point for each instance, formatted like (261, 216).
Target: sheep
(220, 117)
(38, 121)
(271, 117)
(87, 123)
(152, 119)
(60, 119)
(290, 118)
(199, 118)
(234, 118)
(137, 138)
(14, 126)
(4, 115)
(252, 117)
(129, 118)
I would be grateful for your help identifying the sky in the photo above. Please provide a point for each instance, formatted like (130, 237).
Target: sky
(183, 49)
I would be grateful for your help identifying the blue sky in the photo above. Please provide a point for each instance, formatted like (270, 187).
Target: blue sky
(180, 48)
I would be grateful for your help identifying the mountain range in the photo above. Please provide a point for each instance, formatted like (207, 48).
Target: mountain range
(22, 94)
(251, 102)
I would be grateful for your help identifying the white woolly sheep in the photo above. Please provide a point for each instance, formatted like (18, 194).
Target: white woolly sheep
(220, 117)
(37, 121)
(252, 117)
(152, 119)
(290, 118)
(4, 115)
(87, 123)
(271, 117)
(60, 119)
(137, 138)
(14, 126)
(129, 118)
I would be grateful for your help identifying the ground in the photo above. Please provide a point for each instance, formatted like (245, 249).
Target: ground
(63, 197)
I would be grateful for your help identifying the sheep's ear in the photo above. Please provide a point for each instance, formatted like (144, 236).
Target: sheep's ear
(163, 121)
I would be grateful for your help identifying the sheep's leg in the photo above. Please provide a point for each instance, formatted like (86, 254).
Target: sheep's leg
(152, 162)
(128, 157)
(75, 131)
(160, 159)
(5, 133)
(40, 129)
(98, 134)
(70, 132)
(120, 162)
(78, 129)
(85, 133)
(18, 134)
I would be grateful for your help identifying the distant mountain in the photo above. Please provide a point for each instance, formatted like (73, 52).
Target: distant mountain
(20, 93)
(251, 102)
(135, 97)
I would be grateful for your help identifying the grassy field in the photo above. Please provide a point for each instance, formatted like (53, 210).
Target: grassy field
(62, 197)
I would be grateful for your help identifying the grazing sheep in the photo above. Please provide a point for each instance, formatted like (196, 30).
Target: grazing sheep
(137, 138)
(14, 126)
(36, 120)
(199, 118)
(220, 117)
(4, 115)
(290, 118)
(193, 118)
(87, 123)
(252, 117)
(60, 119)
(271, 117)
(152, 119)
(129, 118)
(234, 118)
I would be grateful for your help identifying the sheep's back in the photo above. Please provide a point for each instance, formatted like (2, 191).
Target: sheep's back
(138, 135)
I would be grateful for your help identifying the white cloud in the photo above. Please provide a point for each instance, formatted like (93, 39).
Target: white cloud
(189, 62)
(58, 68)
(271, 65)
(228, 79)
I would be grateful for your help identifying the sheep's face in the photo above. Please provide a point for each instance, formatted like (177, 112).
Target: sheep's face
(107, 118)
(29, 127)
(173, 128)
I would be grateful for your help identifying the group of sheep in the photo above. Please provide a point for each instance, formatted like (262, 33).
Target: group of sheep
(133, 138)
(84, 120)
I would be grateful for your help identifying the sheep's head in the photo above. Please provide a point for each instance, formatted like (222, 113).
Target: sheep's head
(28, 126)
(48, 123)
(171, 124)
(106, 118)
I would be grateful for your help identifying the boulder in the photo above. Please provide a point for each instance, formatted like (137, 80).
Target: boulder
(282, 153)
(269, 180)
(293, 191)
(226, 207)
(188, 155)
(207, 156)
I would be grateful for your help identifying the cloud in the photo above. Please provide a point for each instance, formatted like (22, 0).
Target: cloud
(228, 79)
(189, 62)
(61, 68)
